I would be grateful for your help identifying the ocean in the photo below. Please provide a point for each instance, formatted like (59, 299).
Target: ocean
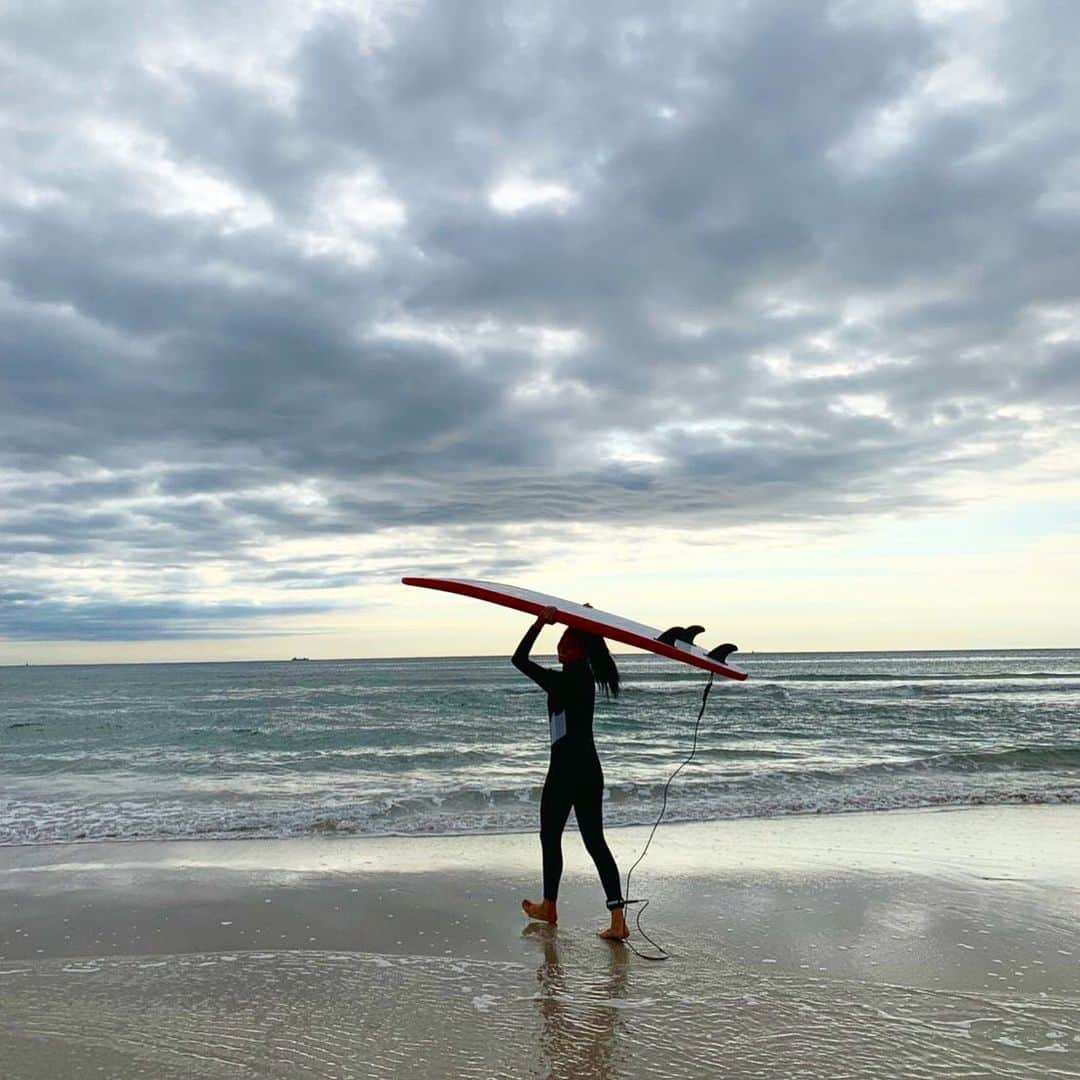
(459, 745)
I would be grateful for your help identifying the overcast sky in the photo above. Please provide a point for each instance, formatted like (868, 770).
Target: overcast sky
(757, 314)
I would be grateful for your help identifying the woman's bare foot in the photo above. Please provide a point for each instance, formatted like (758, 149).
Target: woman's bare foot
(618, 930)
(544, 911)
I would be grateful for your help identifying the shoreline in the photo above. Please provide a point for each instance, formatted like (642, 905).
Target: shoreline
(1025, 848)
(896, 943)
(335, 835)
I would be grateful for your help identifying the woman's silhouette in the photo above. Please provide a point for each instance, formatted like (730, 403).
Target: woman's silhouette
(574, 778)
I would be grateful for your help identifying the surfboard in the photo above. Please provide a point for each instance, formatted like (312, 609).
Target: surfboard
(676, 643)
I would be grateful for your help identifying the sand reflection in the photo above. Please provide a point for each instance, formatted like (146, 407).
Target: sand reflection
(581, 1010)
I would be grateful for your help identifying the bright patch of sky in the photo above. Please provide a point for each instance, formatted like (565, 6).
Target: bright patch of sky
(514, 194)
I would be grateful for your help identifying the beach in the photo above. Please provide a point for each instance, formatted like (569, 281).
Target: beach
(901, 943)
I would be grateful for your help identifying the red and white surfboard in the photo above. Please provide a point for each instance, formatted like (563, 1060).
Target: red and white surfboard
(677, 643)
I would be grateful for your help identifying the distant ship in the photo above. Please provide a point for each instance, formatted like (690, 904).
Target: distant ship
(295, 658)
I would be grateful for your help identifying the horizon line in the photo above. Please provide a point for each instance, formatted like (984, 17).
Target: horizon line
(494, 656)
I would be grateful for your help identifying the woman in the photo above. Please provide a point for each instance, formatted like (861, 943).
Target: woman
(574, 777)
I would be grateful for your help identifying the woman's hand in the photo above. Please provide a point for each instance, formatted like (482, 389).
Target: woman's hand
(547, 616)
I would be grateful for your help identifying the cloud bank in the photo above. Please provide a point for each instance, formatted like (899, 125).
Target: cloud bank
(297, 296)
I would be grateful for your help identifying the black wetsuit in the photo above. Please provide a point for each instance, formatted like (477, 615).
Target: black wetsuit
(574, 778)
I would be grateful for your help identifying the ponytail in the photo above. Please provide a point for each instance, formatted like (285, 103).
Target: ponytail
(602, 663)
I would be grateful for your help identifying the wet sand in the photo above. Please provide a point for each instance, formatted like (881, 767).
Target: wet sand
(889, 944)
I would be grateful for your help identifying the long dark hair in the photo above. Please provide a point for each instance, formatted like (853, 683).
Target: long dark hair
(602, 663)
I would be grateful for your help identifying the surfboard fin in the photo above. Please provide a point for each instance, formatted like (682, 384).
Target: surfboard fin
(676, 634)
(722, 652)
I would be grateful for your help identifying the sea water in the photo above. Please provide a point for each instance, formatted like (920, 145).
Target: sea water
(422, 746)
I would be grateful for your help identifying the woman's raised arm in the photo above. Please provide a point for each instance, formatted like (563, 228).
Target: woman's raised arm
(542, 676)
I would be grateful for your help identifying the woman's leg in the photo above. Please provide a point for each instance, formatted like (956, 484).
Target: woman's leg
(555, 803)
(588, 807)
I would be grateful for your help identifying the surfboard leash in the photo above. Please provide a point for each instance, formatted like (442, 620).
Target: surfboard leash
(662, 953)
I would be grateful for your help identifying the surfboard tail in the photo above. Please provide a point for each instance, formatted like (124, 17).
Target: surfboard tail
(722, 652)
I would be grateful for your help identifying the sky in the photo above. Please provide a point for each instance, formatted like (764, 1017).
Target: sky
(760, 315)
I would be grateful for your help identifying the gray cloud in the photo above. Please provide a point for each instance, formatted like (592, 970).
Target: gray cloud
(31, 617)
(486, 266)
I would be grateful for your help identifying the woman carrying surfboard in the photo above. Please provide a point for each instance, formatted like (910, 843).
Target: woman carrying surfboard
(574, 779)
